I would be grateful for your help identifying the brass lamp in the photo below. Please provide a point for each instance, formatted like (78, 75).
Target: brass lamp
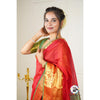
(27, 79)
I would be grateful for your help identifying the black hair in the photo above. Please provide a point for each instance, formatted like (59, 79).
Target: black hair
(58, 13)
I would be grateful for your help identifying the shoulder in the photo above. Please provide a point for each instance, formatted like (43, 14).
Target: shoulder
(62, 44)
(62, 41)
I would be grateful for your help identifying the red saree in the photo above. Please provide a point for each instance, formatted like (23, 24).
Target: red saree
(55, 80)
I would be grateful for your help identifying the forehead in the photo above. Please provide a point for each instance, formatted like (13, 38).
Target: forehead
(50, 15)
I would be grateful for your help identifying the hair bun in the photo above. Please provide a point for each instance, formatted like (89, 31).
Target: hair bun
(58, 12)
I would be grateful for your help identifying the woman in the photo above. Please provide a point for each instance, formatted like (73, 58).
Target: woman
(55, 77)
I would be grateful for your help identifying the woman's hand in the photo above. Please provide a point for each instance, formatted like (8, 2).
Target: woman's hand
(39, 55)
(42, 32)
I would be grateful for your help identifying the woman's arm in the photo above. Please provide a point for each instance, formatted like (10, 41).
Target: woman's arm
(26, 49)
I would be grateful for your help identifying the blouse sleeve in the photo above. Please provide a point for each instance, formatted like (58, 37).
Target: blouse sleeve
(35, 46)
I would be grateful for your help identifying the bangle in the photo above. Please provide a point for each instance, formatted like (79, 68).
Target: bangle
(33, 40)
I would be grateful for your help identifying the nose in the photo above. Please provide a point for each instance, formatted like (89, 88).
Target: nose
(49, 23)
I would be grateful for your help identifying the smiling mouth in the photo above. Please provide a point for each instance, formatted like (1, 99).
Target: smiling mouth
(50, 28)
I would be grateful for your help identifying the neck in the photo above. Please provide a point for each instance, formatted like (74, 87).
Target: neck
(53, 36)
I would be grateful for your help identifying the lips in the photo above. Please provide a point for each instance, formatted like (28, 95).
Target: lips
(50, 28)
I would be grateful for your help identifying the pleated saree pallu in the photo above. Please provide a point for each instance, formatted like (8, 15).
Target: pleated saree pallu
(58, 77)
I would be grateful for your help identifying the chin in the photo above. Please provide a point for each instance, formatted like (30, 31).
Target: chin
(51, 31)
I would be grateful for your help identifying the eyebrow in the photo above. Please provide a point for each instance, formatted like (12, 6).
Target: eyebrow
(52, 18)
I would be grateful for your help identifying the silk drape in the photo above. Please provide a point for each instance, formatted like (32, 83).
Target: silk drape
(59, 54)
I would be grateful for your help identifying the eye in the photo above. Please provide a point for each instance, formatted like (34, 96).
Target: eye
(46, 20)
(53, 20)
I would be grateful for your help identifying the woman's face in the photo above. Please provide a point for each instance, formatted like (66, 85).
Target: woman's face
(51, 22)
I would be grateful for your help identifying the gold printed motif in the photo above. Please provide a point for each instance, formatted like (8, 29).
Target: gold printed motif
(53, 76)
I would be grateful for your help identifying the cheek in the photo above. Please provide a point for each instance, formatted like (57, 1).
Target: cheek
(45, 24)
(56, 25)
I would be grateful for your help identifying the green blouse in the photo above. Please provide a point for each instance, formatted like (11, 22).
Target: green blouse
(36, 44)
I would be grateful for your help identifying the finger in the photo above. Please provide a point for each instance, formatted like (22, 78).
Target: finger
(42, 49)
(39, 50)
